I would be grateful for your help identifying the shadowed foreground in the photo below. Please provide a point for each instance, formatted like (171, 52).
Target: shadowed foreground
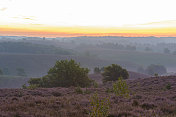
(150, 97)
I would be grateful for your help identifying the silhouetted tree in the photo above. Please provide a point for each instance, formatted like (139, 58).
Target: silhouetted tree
(156, 69)
(113, 72)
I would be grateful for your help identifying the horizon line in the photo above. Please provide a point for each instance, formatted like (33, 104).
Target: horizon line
(83, 36)
(87, 31)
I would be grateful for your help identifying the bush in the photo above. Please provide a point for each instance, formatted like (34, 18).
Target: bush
(24, 86)
(65, 73)
(148, 106)
(78, 90)
(156, 75)
(34, 81)
(156, 69)
(135, 103)
(99, 107)
(111, 73)
(95, 84)
(120, 88)
(109, 90)
(87, 91)
(168, 86)
(33, 86)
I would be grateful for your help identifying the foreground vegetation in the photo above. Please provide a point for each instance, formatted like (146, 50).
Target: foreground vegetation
(150, 97)
(116, 97)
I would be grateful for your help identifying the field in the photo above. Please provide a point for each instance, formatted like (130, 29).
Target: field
(149, 97)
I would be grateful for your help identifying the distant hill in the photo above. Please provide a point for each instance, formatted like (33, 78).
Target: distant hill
(29, 48)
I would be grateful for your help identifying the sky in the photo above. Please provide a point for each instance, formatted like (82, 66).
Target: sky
(54, 18)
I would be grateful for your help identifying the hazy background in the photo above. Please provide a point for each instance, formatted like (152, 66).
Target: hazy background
(25, 57)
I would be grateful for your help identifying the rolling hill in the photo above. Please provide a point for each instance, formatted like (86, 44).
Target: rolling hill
(149, 97)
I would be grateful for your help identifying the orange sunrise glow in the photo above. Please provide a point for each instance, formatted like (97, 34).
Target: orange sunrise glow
(87, 18)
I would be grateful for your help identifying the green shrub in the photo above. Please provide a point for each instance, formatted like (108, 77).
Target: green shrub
(168, 86)
(109, 90)
(65, 73)
(34, 81)
(156, 69)
(111, 73)
(95, 84)
(148, 106)
(135, 103)
(24, 86)
(78, 90)
(32, 86)
(156, 75)
(99, 107)
(120, 88)
(87, 91)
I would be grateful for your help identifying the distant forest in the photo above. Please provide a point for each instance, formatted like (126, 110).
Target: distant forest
(29, 48)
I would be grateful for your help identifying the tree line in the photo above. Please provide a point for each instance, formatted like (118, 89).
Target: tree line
(66, 73)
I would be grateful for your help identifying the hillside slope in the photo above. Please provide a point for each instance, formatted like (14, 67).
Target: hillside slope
(149, 97)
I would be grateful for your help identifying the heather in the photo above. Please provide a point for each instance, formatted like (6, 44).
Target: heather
(149, 97)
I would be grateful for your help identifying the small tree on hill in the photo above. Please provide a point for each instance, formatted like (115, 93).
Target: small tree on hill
(99, 106)
(120, 88)
(156, 69)
(113, 72)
